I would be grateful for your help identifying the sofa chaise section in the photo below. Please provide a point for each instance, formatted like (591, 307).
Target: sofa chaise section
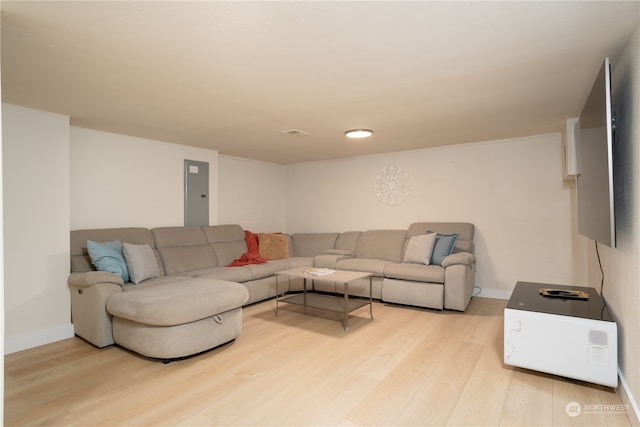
(91, 289)
(106, 310)
(177, 319)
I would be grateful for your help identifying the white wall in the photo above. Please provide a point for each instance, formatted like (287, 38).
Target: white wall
(119, 180)
(36, 227)
(251, 193)
(1, 276)
(512, 190)
(621, 265)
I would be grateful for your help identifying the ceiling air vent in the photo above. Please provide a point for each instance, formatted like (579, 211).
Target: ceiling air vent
(295, 132)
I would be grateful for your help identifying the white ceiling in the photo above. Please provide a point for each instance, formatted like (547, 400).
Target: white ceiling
(231, 76)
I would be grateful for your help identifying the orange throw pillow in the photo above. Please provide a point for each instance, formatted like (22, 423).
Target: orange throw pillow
(273, 245)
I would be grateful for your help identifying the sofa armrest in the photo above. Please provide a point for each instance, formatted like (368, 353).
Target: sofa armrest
(459, 278)
(89, 294)
(90, 278)
(464, 258)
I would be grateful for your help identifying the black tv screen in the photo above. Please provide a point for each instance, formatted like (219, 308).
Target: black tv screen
(594, 151)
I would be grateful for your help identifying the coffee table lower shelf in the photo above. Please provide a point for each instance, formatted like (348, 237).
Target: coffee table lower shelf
(327, 302)
(333, 303)
(324, 302)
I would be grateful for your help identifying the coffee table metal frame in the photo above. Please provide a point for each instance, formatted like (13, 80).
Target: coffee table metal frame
(338, 304)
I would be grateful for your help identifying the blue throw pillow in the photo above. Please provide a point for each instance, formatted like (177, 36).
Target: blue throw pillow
(443, 247)
(107, 256)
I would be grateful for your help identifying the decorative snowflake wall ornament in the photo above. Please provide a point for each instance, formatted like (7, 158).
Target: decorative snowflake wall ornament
(392, 185)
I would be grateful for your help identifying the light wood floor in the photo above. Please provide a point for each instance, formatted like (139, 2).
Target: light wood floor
(405, 367)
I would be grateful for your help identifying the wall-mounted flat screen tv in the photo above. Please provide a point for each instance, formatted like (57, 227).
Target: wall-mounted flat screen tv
(594, 160)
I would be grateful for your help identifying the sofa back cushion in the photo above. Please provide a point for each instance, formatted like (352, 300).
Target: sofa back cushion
(80, 260)
(465, 232)
(348, 241)
(228, 242)
(382, 244)
(312, 244)
(184, 249)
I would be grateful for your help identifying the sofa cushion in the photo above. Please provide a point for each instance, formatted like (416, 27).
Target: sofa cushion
(141, 262)
(330, 258)
(169, 304)
(348, 241)
(224, 233)
(229, 242)
(339, 252)
(227, 252)
(382, 244)
(233, 274)
(415, 272)
(184, 259)
(107, 256)
(273, 245)
(311, 244)
(295, 262)
(178, 236)
(154, 282)
(419, 249)
(267, 269)
(184, 249)
(443, 247)
(367, 265)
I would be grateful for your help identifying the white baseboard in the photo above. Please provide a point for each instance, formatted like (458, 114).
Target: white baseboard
(627, 398)
(37, 338)
(492, 293)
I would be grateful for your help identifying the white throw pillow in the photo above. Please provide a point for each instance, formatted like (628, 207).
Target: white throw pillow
(419, 249)
(141, 262)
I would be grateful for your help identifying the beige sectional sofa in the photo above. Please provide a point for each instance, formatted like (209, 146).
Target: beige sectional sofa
(195, 301)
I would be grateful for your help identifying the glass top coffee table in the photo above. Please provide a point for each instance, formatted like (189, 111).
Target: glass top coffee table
(334, 303)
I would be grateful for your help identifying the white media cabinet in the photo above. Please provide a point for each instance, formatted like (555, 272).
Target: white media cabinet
(571, 338)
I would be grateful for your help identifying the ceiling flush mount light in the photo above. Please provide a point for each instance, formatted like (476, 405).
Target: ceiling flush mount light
(295, 132)
(358, 133)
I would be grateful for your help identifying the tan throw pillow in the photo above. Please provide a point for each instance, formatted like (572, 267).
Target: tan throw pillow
(419, 249)
(141, 262)
(273, 246)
